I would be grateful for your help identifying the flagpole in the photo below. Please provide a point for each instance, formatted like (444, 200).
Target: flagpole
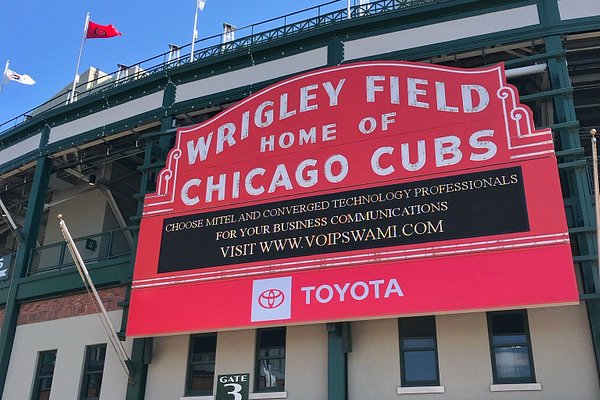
(93, 292)
(348, 8)
(4, 75)
(76, 79)
(596, 192)
(194, 33)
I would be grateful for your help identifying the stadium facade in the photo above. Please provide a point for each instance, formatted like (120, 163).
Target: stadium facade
(178, 177)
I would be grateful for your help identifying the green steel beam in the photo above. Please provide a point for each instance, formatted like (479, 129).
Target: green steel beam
(152, 151)
(593, 307)
(106, 274)
(29, 233)
(338, 345)
(142, 348)
(569, 124)
(529, 60)
(577, 164)
(152, 167)
(159, 133)
(550, 15)
(335, 53)
(548, 93)
(577, 178)
(583, 229)
(578, 151)
(140, 358)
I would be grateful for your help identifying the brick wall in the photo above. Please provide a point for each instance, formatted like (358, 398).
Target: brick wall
(68, 306)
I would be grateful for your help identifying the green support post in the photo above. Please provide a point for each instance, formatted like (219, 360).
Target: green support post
(29, 234)
(141, 353)
(339, 345)
(578, 180)
(335, 52)
(593, 309)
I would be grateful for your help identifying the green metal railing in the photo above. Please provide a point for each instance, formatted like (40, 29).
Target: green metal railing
(288, 25)
(93, 249)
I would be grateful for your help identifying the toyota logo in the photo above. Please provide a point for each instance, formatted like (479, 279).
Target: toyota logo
(271, 298)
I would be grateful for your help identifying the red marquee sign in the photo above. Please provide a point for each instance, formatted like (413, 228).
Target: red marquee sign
(373, 189)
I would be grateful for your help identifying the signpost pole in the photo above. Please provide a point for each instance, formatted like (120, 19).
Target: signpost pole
(596, 191)
(194, 33)
(93, 292)
(3, 75)
(71, 98)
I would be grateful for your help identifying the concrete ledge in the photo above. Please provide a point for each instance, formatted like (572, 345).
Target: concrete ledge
(515, 387)
(420, 389)
(268, 395)
(253, 396)
(198, 398)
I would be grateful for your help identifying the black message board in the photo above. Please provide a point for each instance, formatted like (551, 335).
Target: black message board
(455, 207)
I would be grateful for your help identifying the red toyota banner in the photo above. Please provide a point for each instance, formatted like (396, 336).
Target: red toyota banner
(374, 189)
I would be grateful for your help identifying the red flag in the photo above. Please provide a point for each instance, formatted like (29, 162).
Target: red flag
(97, 31)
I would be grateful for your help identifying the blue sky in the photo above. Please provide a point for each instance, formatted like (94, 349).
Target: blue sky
(42, 38)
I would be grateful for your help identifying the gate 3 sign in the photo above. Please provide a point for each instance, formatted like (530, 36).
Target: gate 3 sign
(233, 387)
(366, 190)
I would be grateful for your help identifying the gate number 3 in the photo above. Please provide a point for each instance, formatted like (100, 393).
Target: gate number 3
(235, 391)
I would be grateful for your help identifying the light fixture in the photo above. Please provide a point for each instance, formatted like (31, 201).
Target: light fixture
(92, 180)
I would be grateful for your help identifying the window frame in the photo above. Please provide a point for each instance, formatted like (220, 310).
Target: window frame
(403, 381)
(190, 364)
(86, 374)
(502, 381)
(258, 359)
(35, 393)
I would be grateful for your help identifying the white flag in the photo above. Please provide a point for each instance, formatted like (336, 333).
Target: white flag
(228, 33)
(201, 4)
(21, 78)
